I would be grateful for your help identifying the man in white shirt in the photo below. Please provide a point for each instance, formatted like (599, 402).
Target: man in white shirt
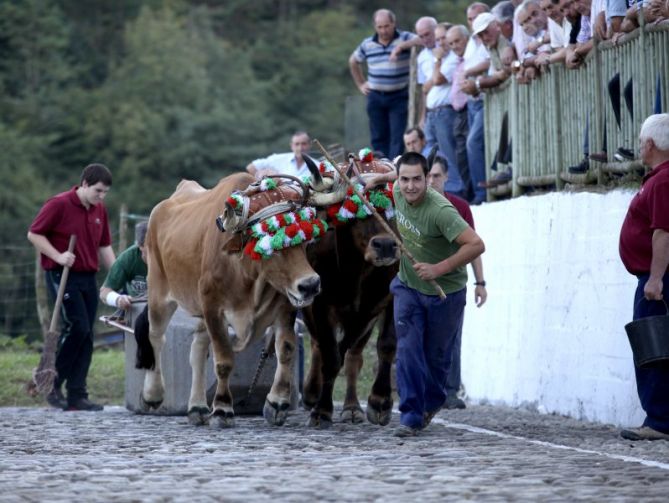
(436, 90)
(291, 163)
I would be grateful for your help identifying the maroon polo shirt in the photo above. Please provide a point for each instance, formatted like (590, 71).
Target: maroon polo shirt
(463, 208)
(649, 210)
(64, 215)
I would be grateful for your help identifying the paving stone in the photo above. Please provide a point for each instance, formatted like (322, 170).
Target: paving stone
(480, 453)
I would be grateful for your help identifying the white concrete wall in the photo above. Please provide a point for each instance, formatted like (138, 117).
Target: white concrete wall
(552, 332)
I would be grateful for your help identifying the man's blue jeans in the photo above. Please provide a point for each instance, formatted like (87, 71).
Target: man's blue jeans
(387, 112)
(439, 123)
(426, 328)
(476, 148)
(653, 383)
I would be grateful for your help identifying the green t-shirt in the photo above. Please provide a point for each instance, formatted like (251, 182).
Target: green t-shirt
(128, 273)
(429, 230)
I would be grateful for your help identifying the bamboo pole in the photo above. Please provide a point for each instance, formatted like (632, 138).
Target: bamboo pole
(376, 215)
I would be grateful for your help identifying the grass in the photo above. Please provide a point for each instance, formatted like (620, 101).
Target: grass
(105, 378)
(107, 374)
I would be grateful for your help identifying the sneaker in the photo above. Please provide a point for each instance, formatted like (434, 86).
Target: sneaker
(580, 168)
(85, 404)
(453, 402)
(56, 399)
(643, 433)
(429, 416)
(624, 154)
(404, 431)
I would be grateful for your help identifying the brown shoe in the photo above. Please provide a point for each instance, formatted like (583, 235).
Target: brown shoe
(643, 433)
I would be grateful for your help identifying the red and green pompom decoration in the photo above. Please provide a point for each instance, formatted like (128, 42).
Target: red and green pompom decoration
(366, 155)
(352, 207)
(283, 231)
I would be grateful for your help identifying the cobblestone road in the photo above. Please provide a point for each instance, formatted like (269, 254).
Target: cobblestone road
(482, 453)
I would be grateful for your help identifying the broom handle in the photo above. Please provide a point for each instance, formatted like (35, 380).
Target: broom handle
(61, 287)
(376, 215)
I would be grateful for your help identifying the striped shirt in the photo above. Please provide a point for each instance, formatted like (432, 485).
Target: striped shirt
(383, 74)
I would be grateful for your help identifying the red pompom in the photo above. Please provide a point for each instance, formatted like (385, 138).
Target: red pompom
(292, 230)
(351, 206)
(308, 229)
(249, 250)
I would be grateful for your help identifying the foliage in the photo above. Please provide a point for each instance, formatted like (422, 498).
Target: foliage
(161, 90)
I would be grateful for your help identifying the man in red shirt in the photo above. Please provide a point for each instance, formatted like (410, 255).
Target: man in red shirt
(79, 211)
(437, 177)
(644, 250)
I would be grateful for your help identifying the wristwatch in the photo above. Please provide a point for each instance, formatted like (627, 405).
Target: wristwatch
(479, 283)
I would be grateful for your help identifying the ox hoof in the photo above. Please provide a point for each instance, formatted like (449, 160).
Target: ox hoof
(380, 414)
(320, 421)
(222, 419)
(274, 413)
(353, 415)
(148, 405)
(198, 416)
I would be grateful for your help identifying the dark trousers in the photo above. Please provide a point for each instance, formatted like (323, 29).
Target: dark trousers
(614, 94)
(75, 347)
(653, 383)
(387, 112)
(426, 328)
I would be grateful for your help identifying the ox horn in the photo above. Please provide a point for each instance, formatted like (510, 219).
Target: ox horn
(316, 178)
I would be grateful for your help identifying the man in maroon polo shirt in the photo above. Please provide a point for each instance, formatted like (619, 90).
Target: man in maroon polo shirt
(644, 250)
(437, 178)
(79, 211)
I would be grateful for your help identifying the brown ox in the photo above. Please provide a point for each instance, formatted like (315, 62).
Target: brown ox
(356, 264)
(191, 264)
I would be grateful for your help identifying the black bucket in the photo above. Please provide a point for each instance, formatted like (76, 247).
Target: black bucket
(649, 338)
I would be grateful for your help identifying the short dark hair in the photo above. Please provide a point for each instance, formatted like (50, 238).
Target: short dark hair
(442, 162)
(413, 159)
(418, 130)
(94, 173)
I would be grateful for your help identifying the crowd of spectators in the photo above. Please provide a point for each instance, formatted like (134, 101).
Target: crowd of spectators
(456, 64)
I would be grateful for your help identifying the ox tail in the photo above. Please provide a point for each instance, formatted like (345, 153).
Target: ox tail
(144, 359)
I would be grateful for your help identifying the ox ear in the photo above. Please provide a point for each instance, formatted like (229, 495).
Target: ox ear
(234, 244)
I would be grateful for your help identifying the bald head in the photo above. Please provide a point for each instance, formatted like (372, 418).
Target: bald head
(425, 27)
(384, 25)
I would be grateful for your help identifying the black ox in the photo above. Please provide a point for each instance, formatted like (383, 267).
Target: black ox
(356, 263)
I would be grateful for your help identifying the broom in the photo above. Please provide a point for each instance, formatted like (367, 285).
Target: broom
(45, 373)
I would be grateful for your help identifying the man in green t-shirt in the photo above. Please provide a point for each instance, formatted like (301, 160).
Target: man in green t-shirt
(127, 280)
(127, 276)
(426, 325)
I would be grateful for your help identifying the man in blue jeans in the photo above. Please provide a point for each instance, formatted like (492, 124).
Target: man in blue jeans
(386, 86)
(644, 250)
(426, 325)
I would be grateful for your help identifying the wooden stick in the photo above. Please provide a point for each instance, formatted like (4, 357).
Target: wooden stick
(376, 215)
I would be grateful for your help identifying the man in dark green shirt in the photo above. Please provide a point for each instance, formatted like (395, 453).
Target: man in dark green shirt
(427, 325)
(127, 276)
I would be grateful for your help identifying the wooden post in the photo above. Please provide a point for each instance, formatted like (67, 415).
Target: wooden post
(123, 228)
(414, 91)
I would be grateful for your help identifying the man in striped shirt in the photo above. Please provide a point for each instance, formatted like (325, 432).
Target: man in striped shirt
(386, 86)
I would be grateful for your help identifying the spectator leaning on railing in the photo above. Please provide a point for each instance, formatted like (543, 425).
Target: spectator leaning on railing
(476, 64)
